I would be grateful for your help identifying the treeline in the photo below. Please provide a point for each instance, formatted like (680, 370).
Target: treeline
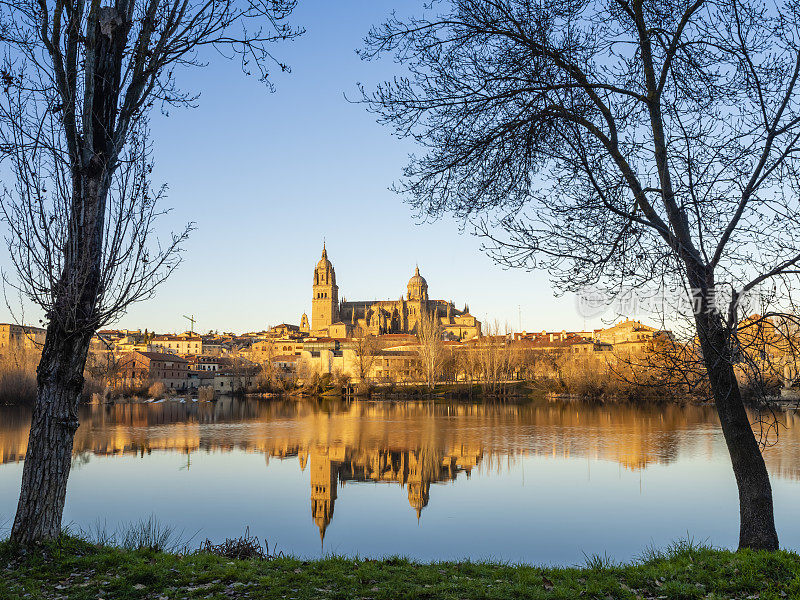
(18, 377)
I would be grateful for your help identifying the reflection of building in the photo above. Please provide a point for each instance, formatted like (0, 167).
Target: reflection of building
(332, 318)
(419, 482)
(415, 469)
(323, 490)
(412, 444)
(378, 442)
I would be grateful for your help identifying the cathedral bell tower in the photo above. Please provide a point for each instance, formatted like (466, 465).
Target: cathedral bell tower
(325, 301)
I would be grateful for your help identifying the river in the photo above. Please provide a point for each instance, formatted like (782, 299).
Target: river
(540, 482)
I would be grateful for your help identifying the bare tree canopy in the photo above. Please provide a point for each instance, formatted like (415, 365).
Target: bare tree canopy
(69, 100)
(620, 144)
(431, 348)
(78, 81)
(36, 211)
(365, 348)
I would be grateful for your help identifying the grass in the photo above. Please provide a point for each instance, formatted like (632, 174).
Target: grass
(145, 534)
(75, 569)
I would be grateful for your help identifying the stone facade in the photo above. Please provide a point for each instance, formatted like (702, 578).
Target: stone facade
(15, 338)
(629, 336)
(143, 368)
(179, 344)
(335, 319)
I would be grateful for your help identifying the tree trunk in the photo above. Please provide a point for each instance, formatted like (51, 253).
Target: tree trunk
(756, 514)
(53, 427)
(73, 318)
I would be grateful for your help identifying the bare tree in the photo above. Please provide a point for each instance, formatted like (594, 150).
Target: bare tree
(264, 354)
(78, 80)
(769, 348)
(623, 144)
(431, 348)
(494, 355)
(365, 347)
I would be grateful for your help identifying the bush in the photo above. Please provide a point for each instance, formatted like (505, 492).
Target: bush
(149, 534)
(156, 390)
(18, 378)
(363, 388)
(246, 547)
(340, 379)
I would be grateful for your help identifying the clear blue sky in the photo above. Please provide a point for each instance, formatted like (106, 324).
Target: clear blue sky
(267, 176)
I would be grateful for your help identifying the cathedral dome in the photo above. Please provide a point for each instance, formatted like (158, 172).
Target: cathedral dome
(417, 287)
(417, 280)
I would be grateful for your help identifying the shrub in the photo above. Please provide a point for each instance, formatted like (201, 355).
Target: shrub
(156, 390)
(18, 378)
(242, 548)
(148, 534)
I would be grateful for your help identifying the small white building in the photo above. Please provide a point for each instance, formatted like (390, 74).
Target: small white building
(179, 344)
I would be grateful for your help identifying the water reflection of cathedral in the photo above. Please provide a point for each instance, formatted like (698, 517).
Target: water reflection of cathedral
(411, 444)
(415, 470)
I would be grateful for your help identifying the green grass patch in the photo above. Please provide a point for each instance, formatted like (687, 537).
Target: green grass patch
(74, 569)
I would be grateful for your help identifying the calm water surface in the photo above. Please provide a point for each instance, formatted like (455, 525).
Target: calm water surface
(540, 482)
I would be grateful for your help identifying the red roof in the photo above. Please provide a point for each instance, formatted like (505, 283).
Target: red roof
(162, 356)
(285, 358)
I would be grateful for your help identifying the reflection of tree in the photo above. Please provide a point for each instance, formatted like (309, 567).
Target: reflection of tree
(634, 436)
(79, 459)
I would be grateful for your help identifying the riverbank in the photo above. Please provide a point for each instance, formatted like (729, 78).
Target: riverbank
(326, 388)
(73, 569)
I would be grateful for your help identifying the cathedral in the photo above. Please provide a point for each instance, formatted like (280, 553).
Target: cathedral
(332, 318)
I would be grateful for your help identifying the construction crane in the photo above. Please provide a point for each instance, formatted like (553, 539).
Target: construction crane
(191, 323)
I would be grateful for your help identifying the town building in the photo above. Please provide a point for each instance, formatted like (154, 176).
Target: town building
(14, 338)
(628, 336)
(185, 343)
(284, 330)
(265, 350)
(285, 363)
(210, 364)
(139, 369)
(553, 336)
(135, 342)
